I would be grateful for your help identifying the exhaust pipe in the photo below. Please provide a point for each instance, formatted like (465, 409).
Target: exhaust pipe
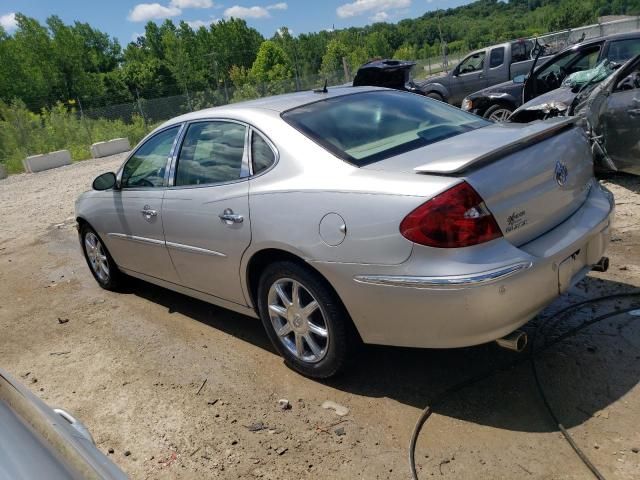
(516, 341)
(602, 265)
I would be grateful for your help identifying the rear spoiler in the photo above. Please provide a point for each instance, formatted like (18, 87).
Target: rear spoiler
(470, 160)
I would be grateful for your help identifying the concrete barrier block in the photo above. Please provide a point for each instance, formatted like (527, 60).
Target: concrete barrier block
(3, 172)
(111, 147)
(46, 161)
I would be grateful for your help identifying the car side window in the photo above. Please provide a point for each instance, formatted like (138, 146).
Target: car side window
(622, 50)
(147, 166)
(262, 156)
(472, 63)
(497, 57)
(211, 152)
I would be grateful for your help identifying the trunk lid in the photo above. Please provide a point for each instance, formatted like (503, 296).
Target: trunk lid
(531, 177)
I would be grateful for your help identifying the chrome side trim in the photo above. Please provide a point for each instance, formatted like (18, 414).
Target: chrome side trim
(189, 248)
(135, 238)
(449, 282)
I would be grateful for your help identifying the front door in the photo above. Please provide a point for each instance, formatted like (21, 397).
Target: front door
(620, 121)
(206, 211)
(133, 223)
(469, 77)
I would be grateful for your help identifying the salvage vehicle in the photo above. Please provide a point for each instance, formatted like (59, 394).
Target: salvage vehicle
(613, 120)
(353, 214)
(498, 102)
(39, 442)
(480, 69)
(387, 73)
(559, 101)
(610, 103)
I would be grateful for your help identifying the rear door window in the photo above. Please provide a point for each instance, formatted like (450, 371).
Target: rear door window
(622, 50)
(212, 152)
(497, 57)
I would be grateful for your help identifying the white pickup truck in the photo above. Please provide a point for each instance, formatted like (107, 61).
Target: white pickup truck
(480, 69)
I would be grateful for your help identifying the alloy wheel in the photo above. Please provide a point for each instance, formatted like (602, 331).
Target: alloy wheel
(298, 320)
(97, 256)
(500, 115)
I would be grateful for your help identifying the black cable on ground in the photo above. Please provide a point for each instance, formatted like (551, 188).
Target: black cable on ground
(428, 410)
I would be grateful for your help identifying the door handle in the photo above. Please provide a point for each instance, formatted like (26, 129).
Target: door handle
(148, 212)
(230, 218)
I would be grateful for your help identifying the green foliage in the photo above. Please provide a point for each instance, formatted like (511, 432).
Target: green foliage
(50, 67)
(24, 133)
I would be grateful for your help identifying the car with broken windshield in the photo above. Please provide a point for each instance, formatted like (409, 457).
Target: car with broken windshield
(353, 214)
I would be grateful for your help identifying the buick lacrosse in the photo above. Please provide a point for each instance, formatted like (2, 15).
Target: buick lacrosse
(353, 214)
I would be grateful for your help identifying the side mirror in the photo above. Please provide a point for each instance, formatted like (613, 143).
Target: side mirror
(106, 181)
(519, 79)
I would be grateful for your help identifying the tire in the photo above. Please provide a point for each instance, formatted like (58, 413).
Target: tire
(499, 112)
(435, 96)
(327, 326)
(99, 260)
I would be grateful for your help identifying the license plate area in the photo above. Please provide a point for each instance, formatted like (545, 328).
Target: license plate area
(569, 269)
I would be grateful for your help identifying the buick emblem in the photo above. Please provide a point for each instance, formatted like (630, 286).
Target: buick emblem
(561, 173)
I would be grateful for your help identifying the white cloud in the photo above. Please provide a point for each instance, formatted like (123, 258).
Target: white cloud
(246, 12)
(196, 24)
(380, 17)
(9, 22)
(192, 3)
(152, 11)
(360, 7)
(278, 6)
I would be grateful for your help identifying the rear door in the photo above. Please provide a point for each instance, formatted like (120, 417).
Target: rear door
(206, 210)
(620, 120)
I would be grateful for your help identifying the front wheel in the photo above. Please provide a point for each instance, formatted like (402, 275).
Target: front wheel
(102, 266)
(498, 113)
(304, 319)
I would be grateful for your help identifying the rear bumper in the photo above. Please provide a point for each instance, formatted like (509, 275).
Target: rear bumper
(461, 297)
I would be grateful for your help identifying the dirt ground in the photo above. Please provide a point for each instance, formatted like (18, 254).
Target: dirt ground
(132, 366)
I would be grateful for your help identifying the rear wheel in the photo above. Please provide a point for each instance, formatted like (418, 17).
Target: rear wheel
(102, 266)
(498, 113)
(304, 319)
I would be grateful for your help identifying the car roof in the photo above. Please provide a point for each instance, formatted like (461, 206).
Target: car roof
(277, 103)
(605, 38)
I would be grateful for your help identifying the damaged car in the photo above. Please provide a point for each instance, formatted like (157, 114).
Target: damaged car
(498, 102)
(607, 100)
(613, 120)
(557, 102)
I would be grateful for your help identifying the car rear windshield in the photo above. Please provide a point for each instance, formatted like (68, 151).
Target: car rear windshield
(366, 127)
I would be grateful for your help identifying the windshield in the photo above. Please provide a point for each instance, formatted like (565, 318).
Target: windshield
(366, 127)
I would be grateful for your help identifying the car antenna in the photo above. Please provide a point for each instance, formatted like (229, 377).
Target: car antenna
(323, 89)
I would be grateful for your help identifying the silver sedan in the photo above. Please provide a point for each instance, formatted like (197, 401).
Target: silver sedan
(354, 214)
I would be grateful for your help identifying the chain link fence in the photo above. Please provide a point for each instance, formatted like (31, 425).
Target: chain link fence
(70, 126)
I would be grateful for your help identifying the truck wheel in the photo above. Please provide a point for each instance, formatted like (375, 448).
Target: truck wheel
(435, 96)
(498, 113)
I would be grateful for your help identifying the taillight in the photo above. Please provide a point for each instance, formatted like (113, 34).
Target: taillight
(457, 217)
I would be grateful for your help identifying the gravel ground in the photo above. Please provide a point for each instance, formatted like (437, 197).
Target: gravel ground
(191, 390)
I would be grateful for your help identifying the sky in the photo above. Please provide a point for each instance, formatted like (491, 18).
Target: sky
(125, 19)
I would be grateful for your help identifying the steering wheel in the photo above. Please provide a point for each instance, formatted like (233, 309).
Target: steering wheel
(143, 182)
